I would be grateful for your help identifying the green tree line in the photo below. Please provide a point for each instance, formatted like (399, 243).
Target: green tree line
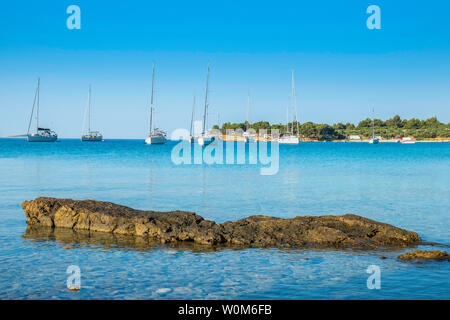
(393, 127)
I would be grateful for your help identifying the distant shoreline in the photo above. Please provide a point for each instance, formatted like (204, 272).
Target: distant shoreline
(226, 138)
(366, 140)
(382, 141)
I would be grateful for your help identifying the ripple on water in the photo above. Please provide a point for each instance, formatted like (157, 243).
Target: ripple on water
(407, 187)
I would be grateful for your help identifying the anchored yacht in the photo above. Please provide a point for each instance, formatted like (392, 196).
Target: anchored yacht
(90, 135)
(373, 140)
(206, 137)
(408, 140)
(289, 137)
(40, 134)
(191, 131)
(156, 136)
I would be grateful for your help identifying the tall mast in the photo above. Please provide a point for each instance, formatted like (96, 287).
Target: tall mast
(37, 106)
(373, 123)
(294, 102)
(287, 119)
(205, 115)
(32, 111)
(191, 132)
(89, 109)
(248, 110)
(152, 100)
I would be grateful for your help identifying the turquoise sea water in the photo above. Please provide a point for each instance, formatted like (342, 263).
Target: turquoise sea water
(404, 185)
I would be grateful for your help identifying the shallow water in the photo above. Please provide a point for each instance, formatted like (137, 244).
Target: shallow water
(404, 185)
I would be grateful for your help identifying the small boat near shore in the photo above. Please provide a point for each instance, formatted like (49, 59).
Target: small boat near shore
(373, 140)
(90, 136)
(249, 135)
(40, 134)
(408, 140)
(156, 136)
(206, 139)
(289, 137)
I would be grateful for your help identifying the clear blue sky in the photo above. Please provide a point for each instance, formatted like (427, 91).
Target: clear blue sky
(342, 69)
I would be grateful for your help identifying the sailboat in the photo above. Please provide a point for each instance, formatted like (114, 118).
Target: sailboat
(191, 131)
(155, 136)
(289, 137)
(90, 135)
(373, 140)
(248, 136)
(40, 134)
(206, 137)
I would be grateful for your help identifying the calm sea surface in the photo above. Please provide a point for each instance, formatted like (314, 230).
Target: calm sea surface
(404, 185)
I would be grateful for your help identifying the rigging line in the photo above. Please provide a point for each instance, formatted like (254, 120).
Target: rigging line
(32, 111)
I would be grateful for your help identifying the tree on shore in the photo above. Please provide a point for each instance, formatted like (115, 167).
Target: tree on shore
(393, 127)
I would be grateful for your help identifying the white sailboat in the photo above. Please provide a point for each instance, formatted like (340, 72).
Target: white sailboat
(373, 140)
(206, 137)
(90, 135)
(289, 137)
(156, 136)
(191, 131)
(248, 135)
(40, 134)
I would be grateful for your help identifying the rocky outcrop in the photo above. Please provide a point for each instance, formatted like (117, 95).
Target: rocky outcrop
(179, 226)
(425, 255)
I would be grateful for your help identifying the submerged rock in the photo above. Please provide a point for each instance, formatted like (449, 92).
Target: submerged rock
(179, 226)
(425, 255)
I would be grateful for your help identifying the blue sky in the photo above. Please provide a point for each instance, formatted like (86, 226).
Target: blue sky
(342, 68)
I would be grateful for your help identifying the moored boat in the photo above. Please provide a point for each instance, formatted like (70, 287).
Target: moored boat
(206, 137)
(191, 137)
(289, 137)
(205, 140)
(408, 140)
(156, 136)
(90, 136)
(373, 140)
(40, 134)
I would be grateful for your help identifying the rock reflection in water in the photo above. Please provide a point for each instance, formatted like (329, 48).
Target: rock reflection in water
(72, 239)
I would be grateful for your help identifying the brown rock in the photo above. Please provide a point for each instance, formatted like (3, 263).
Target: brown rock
(179, 226)
(72, 288)
(425, 255)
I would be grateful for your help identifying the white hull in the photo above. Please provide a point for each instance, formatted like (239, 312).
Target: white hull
(408, 140)
(155, 140)
(37, 138)
(289, 140)
(250, 139)
(204, 141)
(85, 138)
